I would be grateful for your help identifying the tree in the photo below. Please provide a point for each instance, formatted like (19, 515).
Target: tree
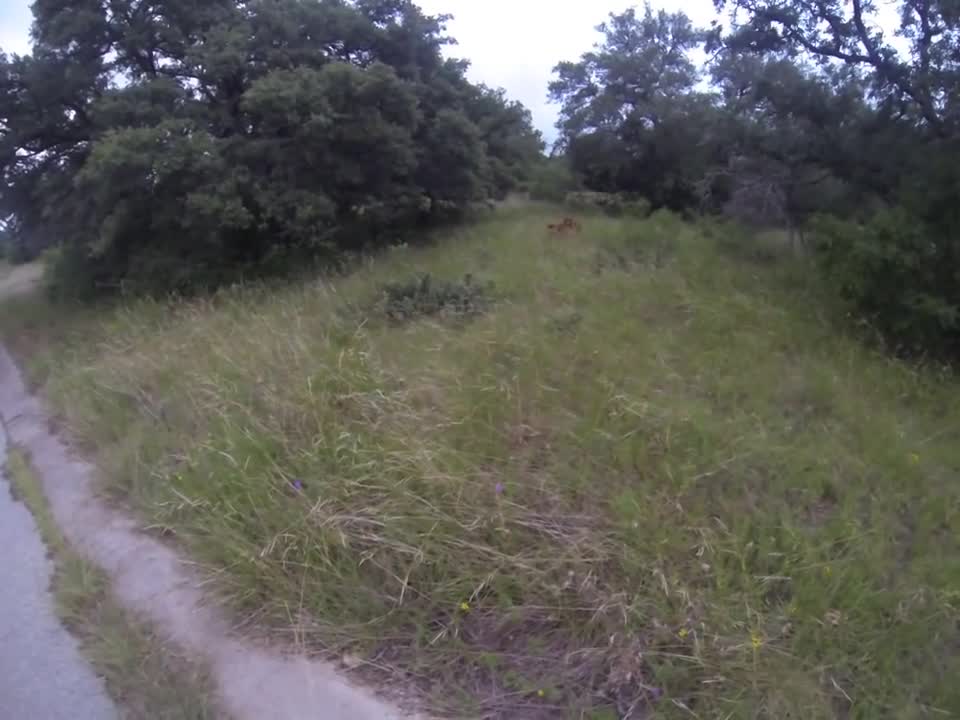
(642, 62)
(899, 265)
(787, 133)
(631, 119)
(924, 83)
(169, 144)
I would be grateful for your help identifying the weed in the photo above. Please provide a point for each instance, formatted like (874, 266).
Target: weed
(423, 296)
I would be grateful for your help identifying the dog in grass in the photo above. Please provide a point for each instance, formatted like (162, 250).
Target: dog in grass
(568, 224)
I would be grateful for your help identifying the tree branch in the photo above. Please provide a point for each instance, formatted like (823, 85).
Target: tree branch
(894, 73)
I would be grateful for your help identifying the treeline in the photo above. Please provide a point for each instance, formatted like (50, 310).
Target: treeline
(171, 145)
(166, 145)
(826, 119)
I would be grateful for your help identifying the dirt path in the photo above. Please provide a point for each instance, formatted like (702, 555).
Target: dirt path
(253, 682)
(42, 673)
(19, 278)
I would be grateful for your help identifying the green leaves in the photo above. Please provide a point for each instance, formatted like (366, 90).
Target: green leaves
(163, 191)
(899, 274)
(341, 134)
(918, 73)
(641, 61)
(631, 119)
(204, 139)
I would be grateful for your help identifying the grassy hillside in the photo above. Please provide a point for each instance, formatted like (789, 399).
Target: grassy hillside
(642, 475)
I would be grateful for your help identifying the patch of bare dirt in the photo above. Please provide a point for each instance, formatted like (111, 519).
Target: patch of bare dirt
(19, 279)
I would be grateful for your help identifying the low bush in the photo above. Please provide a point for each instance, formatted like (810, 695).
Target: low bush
(424, 296)
(551, 181)
(900, 275)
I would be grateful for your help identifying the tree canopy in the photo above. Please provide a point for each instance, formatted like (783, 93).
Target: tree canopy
(629, 108)
(163, 144)
(921, 78)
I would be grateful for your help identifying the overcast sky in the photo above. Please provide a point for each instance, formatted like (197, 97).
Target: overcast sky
(515, 44)
(512, 44)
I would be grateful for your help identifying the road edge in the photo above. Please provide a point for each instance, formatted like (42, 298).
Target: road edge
(149, 579)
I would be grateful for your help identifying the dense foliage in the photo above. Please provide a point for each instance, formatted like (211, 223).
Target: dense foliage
(164, 144)
(801, 111)
(631, 118)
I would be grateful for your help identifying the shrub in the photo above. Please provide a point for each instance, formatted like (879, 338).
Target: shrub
(68, 272)
(424, 296)
(551, 180)
(634, 206)
(899, 274)
(748, 244)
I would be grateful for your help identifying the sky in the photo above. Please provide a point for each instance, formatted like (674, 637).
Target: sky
(15, 26)
(513, 44)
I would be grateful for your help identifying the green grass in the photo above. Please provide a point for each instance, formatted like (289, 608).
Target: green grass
(715, 503)
(147, 678)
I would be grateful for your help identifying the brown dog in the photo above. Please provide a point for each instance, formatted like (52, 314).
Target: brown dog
(568, 224)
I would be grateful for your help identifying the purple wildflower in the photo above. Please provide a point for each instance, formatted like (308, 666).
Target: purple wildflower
(498, 489)
(297, 485)
(655, 693)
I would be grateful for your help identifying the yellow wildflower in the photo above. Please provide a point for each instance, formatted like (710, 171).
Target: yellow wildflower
(683, 633)
(756, 640)
(540, 693)
(465, 606)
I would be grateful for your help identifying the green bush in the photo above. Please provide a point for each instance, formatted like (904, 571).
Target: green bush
(551, 180)
(634, 206)
(423, 296)
(900, 275)
(68, 272)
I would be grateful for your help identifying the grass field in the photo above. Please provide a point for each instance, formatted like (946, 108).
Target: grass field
(647, 474)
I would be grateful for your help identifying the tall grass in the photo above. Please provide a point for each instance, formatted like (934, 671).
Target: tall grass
(652, 479)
